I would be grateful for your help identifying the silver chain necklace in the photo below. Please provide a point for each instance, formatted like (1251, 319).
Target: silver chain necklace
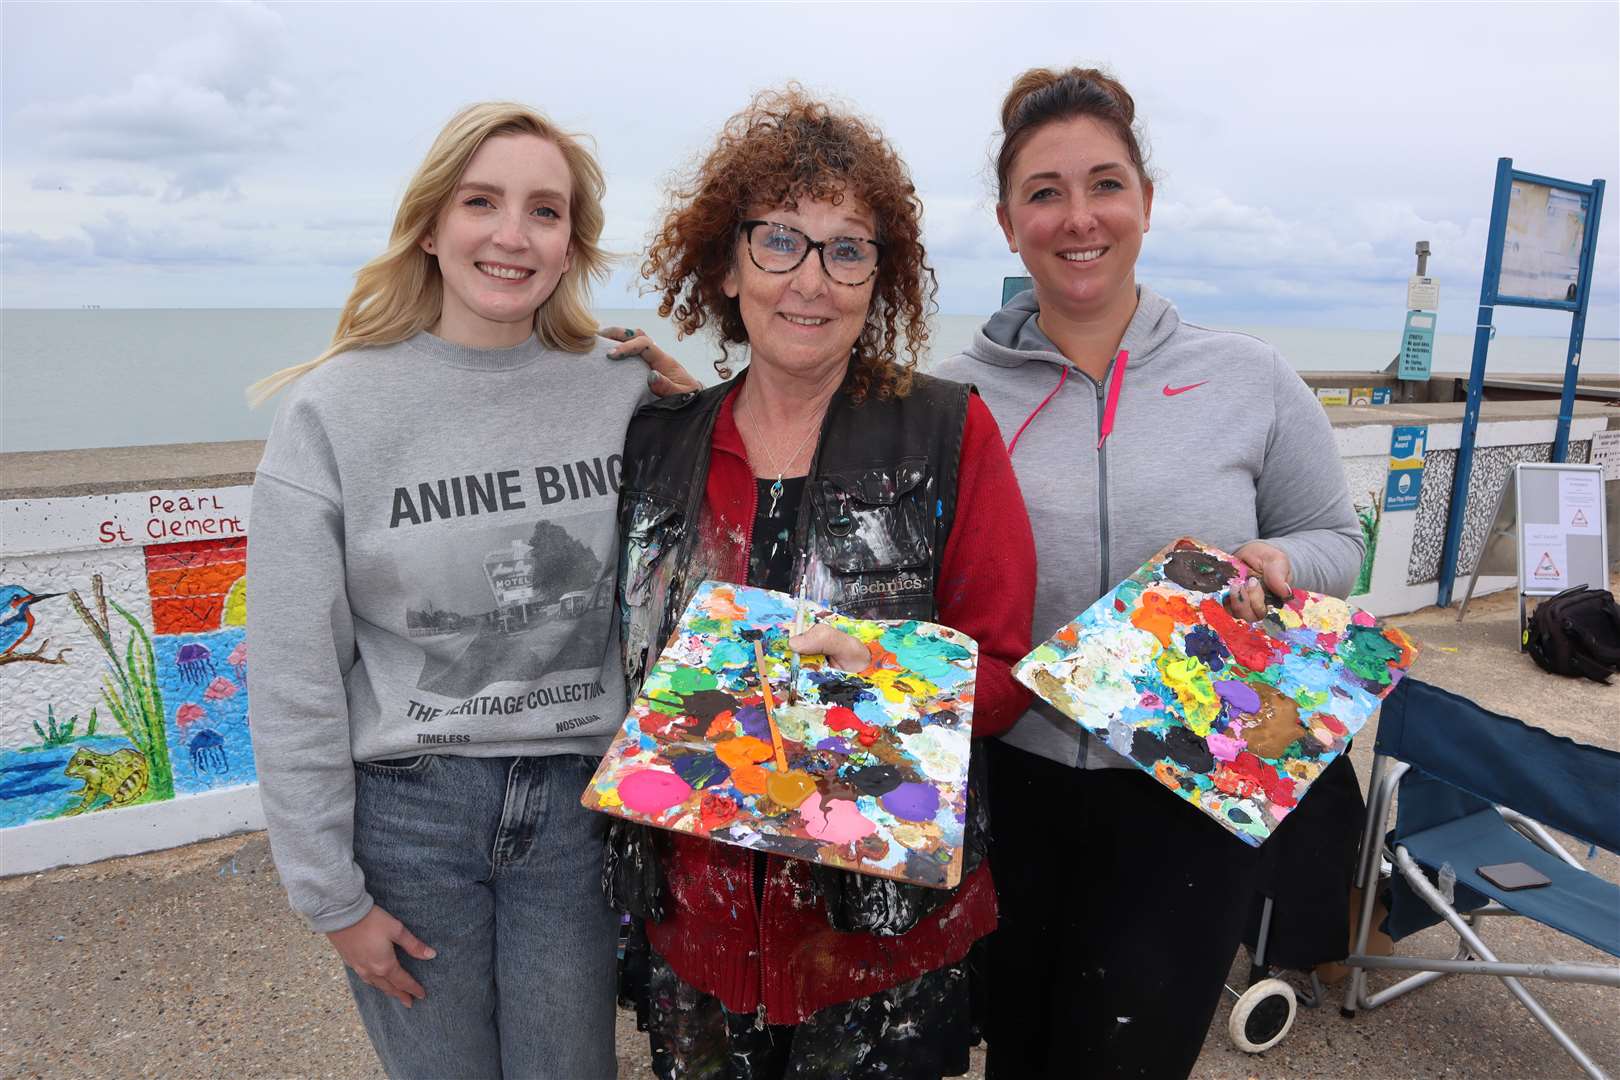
(781, 470)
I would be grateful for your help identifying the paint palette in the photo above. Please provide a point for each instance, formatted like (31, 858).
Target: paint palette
(1237, 718)
(860, 771)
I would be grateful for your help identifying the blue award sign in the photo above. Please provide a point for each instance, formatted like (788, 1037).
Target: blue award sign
(1417, 346)
(1406, 452)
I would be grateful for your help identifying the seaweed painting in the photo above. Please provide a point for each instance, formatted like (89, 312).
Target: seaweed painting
(1237, 718)
(863, 771)
(132, 694)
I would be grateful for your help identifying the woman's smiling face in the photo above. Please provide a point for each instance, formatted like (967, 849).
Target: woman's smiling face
(803, 321)
(1076, 211)
(503, 241)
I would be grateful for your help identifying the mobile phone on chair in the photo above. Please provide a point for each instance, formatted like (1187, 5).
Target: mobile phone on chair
(1512, 876)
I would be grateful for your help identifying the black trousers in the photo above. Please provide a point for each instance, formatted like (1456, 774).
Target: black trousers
(1121, 909)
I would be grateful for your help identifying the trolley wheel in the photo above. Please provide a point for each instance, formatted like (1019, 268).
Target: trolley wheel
(1262, 1016)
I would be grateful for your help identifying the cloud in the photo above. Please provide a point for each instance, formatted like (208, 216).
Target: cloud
(200, 113)
(118, 186)
(50, 181)
(18, 248)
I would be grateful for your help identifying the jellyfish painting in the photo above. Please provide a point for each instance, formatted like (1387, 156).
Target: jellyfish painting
(187, 715)
(221, 689)
(195, 662)
(208, 751)
(238, 660)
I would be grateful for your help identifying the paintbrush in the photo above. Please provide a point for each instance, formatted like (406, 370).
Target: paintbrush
(798, 628)
(770, 708)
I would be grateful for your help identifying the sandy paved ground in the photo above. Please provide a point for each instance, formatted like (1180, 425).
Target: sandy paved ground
(187, 963)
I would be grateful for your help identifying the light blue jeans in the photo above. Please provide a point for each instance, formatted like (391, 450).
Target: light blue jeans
(494, 863)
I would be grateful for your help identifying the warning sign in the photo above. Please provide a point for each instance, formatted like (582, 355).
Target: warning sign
(1546, 558)
(1579, 520)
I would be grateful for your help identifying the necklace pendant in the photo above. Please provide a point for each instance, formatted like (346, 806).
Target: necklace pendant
(776, 493)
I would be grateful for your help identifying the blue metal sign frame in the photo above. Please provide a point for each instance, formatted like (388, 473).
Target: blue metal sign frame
(1489, 297)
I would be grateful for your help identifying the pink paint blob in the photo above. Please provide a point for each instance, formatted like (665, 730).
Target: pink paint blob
(1361, 618)
(220, 689)
(188, 714)
(652, 792)
(1224, 747)
(836, 821)
(238, 655)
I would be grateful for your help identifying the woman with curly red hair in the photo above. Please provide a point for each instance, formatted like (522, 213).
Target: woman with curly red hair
(829, 466)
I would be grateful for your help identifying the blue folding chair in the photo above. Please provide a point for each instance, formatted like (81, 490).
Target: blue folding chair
(1477, 789)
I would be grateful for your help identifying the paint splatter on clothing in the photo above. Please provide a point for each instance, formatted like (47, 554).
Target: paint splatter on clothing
(918, 1030)
(770, 555)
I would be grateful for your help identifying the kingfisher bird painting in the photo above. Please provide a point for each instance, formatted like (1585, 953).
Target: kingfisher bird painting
(17, 625)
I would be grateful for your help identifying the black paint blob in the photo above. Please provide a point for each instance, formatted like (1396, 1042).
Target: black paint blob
(1198, 571)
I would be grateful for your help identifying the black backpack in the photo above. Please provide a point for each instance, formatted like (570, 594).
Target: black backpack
(1576, 633)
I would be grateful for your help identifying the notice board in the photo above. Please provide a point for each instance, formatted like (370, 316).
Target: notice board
(1563, 534)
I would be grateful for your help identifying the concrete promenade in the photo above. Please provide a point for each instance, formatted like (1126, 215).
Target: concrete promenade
(187, 963)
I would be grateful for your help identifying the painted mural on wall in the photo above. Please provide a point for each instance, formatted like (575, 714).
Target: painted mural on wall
(1366, 479)
(123, 662)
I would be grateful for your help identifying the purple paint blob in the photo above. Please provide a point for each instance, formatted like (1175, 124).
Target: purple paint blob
(835, 744)
(912, 802)
(1239, 695)
(752, 719)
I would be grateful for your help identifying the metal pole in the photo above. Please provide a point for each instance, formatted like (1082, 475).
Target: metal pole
(1476, 381)
(1577, 328)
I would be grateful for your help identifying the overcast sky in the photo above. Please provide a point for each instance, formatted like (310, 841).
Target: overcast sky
(251, 155)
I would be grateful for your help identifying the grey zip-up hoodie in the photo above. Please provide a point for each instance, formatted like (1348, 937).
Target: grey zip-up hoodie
(1215, 437)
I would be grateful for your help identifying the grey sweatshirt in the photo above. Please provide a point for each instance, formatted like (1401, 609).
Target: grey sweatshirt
(1215, 437)
(430, 571)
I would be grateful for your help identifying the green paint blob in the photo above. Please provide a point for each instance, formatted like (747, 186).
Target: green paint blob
(731, 654)
(928, 656)
(1368, 653)
(687, 680)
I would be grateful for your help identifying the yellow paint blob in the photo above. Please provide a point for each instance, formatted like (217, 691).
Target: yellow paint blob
(1189, 679)
(789, 789)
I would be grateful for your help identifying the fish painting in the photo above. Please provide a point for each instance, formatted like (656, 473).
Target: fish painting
(864, 771)
(1237, 718)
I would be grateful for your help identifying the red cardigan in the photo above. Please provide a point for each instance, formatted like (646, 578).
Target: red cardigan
(783, 954)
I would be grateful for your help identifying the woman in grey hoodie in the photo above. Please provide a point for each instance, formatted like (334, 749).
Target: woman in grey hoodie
(1130, 428)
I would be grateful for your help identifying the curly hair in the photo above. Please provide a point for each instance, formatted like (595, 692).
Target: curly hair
(784, 147)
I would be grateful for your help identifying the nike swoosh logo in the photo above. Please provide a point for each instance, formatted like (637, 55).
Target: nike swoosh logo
(1172, 391)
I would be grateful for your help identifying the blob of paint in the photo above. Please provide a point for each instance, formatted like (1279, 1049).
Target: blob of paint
(744, 750)
(789, 789)
(912, 802)
(834, 821)
(652, 791)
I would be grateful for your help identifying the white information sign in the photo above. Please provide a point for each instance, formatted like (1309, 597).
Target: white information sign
(1546, 558)
(1579, 508)
(1606, 452)
(1422, 294)
(1541, 250)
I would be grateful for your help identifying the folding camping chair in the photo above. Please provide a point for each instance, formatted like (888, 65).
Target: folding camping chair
(1476, 789)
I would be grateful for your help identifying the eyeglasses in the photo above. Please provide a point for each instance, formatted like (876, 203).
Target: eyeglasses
(779, 249)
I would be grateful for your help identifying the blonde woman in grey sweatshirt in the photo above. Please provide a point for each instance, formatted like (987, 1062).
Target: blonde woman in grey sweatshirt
(1128, 428)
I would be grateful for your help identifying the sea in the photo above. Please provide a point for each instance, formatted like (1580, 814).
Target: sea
(135, 377)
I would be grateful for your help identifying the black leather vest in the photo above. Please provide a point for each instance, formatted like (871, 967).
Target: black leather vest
(876, 511)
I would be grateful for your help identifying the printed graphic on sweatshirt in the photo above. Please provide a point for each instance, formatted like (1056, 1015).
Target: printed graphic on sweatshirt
(514, 603)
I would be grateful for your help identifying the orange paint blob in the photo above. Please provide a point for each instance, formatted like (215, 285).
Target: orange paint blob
(720, 724)
(1159, 614)
(741, 751)
(749, 779)
(723, 605)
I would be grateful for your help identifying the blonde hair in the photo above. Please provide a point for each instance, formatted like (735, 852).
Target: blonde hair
(401, 292)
